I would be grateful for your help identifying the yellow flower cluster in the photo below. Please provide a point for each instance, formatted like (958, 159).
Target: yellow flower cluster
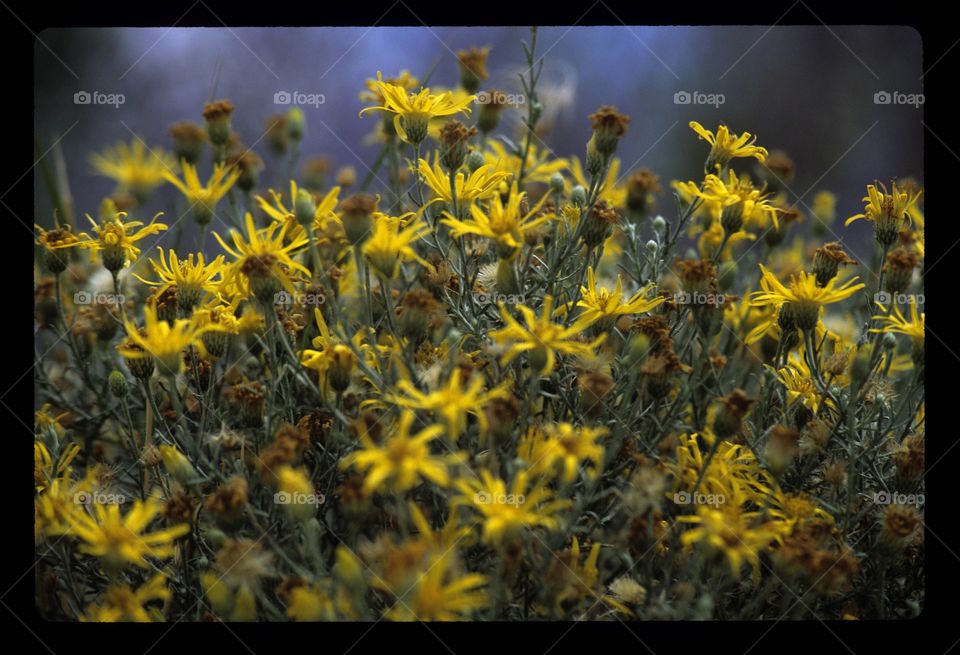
(496, 384)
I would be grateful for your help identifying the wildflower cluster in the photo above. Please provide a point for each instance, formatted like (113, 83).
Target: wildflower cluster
(489, 382)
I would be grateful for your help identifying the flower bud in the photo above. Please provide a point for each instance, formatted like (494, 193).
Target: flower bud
(415, 311)
(346, 176)
(358, 217)
(899, 271)
(731, 218)
(118, 384)
(454, 140)
(249, 164)
(826, 261)
(296, 493)
(638, 347)
(304, 207)
(296, 124)
(609, 126)
(659, 225)
(734, 406)
(218, 114)
(642, 187)
(599, 224)
(341, 366)
(416, 127)
(473, 68)
(475, 160)
(556, 183)
(188, 141)
(490, 108)
(177, 465)
(579, 196)
(141, 367)
(348, 569)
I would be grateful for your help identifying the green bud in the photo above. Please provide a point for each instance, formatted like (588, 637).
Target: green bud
(475, 160)
(579, 195)
(556, 183)
(659, 225)
(304, 208)
(118, 384)
(638, 347)
(296, 124)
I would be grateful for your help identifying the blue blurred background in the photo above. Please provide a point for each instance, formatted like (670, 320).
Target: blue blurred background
(807, 90)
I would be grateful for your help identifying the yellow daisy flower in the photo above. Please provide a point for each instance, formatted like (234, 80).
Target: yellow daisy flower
(323, 216)
(54, 243)
(600, 305)
(561, 448)
(45, 470)
(541, 165)
(714, 237)
(372, 93)
(401, 461)
(116, 239)
(264, 264)
(480, 185)
(191, 278)
(331, 359)
(506, 224)
(506, 511)
(541, 337)
(735, 202)
(897, 323)
(730, 531)
(121, 539)
(391, 243)
(412, 112)
(889, 211)
(441, 593)
(798, 382)
(203, 199)
(452, 402)
(803, 297)
(137, 169)
(163, 341)
(725, 145)
(122, 603)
